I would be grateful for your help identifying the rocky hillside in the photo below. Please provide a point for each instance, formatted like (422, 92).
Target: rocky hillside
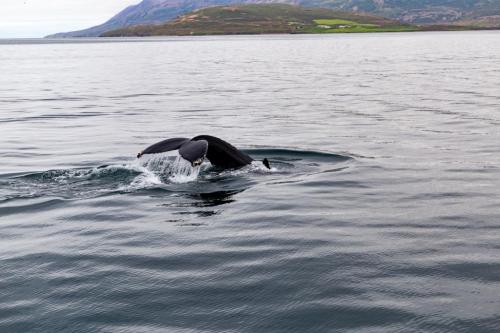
(487, 12)
(426, 11)
(264, 18)
(155, 12)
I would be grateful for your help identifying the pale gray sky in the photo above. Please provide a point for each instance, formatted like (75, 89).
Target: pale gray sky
(38, 18)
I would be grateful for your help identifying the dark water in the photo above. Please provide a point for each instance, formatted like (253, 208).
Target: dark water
(381, 213)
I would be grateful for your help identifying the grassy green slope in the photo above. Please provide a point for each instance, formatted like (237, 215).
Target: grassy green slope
(256, 19)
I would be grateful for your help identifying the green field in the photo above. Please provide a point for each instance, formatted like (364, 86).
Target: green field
(337, 22)
(338, 26)
(362, 29)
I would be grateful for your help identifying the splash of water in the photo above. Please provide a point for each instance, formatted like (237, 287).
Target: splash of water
(183, 171)
(168, 166)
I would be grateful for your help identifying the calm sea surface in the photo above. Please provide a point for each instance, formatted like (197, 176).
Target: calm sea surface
(381, 212)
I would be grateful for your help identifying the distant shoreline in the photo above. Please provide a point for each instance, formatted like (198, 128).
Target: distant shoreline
(381, 31)
(84, 40)
(276, 18)
(181, 18)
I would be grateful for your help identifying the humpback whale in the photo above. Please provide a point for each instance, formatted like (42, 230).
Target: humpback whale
(219, 152)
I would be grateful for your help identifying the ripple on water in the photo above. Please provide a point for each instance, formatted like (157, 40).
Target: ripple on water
(396, 232)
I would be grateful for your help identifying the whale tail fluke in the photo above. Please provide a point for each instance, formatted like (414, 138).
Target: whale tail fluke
(220, 153)
(164, 146)
(194, 151)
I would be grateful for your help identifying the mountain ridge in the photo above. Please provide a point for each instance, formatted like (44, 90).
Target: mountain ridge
(465, 12)
(263, 19)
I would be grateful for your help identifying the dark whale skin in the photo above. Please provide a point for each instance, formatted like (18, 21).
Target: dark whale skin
(194, 151)
(222, 154)
(164, 146)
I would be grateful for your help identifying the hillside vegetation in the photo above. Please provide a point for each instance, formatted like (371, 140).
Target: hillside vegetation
(480, 13)
(256, 19)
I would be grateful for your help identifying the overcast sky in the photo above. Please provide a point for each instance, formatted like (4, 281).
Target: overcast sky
(38, 18)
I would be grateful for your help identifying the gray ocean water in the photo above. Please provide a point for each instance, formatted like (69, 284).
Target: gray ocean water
(381, 212)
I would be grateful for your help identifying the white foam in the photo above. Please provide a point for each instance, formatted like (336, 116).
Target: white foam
(170, 166)
(183, 171)
(158, 169)
(254, 167)
(260, 167)
(146, 179)
(158, 163)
